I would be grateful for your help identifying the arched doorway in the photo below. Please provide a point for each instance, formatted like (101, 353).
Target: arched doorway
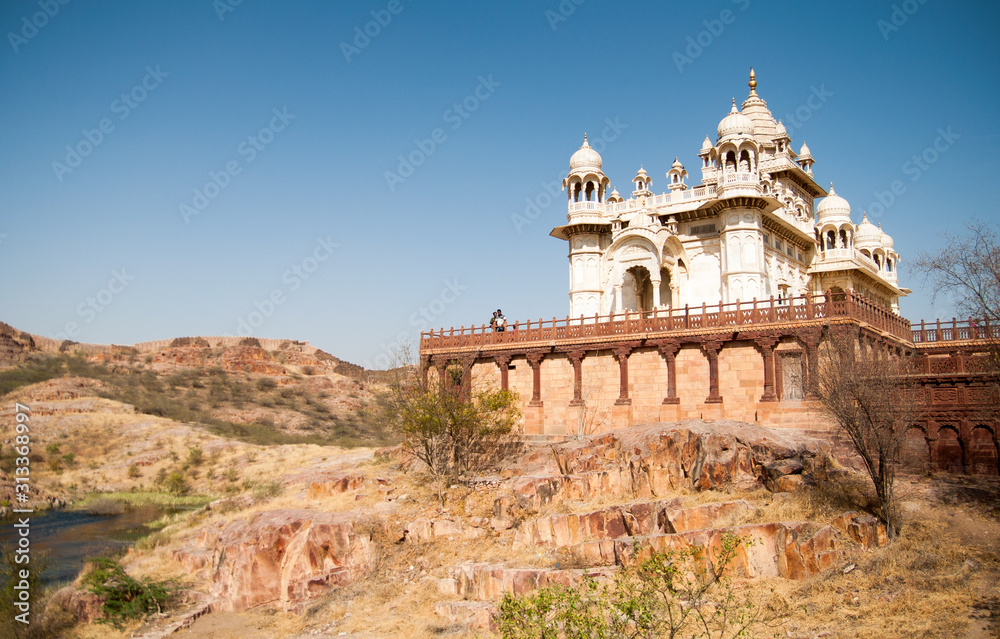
(915, 451)
(949, 451)
(637, 290)
(982, 452)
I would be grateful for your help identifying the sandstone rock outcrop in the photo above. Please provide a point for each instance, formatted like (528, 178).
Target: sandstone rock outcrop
(285, 556)
(84, 606)
(654, 460)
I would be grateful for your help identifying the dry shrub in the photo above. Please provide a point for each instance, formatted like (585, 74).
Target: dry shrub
(105, 506)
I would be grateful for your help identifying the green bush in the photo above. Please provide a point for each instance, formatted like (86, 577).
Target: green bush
(134, 472)
(176, 484)
(264, 490)
(125, 597)
(676, 594)
(53, 448)
(195, 456)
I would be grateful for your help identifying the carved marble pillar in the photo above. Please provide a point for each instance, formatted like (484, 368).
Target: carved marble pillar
(712, 352)
(535, 360)
(668, 350)
(576, 358)
(503, 361)
(766, 345)
(621, 353)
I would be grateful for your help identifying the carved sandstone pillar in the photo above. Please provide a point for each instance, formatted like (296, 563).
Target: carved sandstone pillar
(441, 364)
(425, 367)
(503, 361)
(811, 339)
(668, 350)
(767, 345)
(621, 353)
(467, 364)
(712, 352)
(535, 360)
(576, 358)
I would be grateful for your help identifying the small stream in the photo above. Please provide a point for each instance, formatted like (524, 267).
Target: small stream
(69, 537)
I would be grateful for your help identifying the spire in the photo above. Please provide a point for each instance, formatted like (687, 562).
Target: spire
(585, 143)
(753, 82)
(734, 109)
(832, 192)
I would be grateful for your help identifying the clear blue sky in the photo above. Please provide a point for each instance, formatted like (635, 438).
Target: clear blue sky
(187, 89)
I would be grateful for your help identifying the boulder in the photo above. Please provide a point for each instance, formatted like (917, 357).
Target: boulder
(84, 606)
(864, 530)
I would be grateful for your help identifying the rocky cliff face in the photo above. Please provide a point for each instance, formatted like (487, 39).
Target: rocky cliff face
(289, 556)
(14, 344)
(281, 556)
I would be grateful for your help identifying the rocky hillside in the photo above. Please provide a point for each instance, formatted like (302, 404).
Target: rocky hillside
(286, 392)
(303, 538)
(306, 541)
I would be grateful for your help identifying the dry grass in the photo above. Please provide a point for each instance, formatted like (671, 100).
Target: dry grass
(928, 584)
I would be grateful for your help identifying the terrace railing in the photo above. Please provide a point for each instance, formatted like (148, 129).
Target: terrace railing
(700, 318)
(956, 331)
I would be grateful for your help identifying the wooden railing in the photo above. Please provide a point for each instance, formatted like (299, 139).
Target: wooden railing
(640, 324)
(955, 331)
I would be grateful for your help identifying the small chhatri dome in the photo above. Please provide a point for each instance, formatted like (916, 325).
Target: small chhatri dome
(867, 236)
(641, 173)
(677, 164)
(614, 192)
(586, 157)
(833, 208)
(706, 145)
(780, 131)
(735, 124)
(804, 152)
(887, 242)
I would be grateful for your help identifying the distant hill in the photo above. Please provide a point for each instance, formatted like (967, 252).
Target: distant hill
(259, 390)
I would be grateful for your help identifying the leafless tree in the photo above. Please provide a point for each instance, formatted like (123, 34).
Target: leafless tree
(868, 391)
(969, 268)
(454, 430)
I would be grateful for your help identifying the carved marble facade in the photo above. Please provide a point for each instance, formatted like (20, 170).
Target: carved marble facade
(748, 231)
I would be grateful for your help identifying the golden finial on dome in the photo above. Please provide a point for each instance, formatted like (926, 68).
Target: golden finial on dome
(753, 81)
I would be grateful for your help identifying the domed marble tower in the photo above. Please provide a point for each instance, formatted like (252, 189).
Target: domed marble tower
(586, 186)
(746, 232)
